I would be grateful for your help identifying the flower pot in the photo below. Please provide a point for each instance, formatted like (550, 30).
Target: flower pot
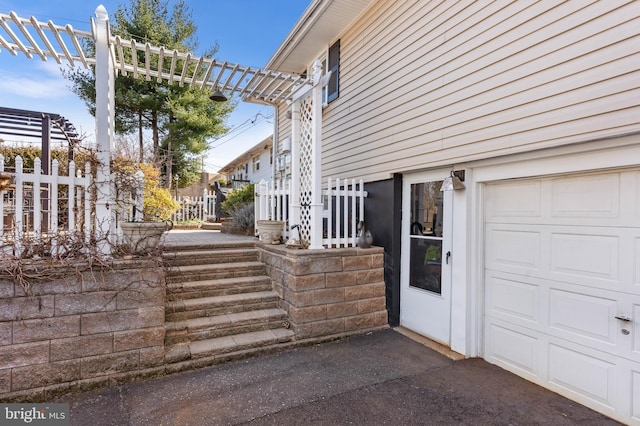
(142, 236)
(270, 231)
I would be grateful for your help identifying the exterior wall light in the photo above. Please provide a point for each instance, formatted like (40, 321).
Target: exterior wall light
(453, 182)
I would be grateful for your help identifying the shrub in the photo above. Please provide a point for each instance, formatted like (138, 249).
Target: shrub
(158, 204)
(237, 199)
(243, 217)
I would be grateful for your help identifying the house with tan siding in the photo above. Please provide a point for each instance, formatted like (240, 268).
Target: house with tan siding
(532, 110)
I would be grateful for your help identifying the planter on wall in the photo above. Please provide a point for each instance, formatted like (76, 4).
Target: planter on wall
(270, 231)
(142, 236)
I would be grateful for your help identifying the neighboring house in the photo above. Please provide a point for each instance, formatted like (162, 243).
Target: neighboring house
(197, 189)
(535, 265)
(253, 165)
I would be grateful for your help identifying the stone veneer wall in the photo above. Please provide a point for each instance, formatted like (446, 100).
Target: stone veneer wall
(328, 292)
(90, 329)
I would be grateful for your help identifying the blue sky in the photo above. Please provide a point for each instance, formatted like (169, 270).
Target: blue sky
(247, 32)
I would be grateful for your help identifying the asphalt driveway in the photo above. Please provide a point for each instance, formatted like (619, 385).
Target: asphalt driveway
(376, 379)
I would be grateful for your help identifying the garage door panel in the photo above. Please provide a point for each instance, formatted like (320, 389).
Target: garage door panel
(588, 375)
(577, 316)
(585, 255)
(515, 349)
(636, 265)
(513, 249)
(576, 313)
(522, 199)
(596, 196)
(513, 299)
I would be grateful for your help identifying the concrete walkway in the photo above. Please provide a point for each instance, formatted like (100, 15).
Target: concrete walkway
(178, 237)
(376, 379)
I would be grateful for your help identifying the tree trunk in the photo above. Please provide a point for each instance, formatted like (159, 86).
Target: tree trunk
(169, 164)
(156, 137)
(140, 138)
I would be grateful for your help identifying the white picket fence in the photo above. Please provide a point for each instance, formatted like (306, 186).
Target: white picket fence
(195, 208)
(272, 200)
(36, 205)
(343, 209)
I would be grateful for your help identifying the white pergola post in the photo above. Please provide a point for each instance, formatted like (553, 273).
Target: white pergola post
(294, 202)
(316, 162)
(105, 99)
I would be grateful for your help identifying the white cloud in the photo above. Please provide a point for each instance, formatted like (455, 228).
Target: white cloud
(35, 79)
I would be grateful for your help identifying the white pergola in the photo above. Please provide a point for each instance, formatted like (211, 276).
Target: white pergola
(114, 55)
(64, 44)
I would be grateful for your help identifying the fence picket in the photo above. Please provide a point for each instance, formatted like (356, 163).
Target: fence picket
(36, 198)
(195, 208)
(87, 205)
(71, 197)
(344, 208)
(55, 167)
(34, 202)
(18, 216)
(2, 195)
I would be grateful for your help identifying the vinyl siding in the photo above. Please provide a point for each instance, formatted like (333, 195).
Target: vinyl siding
(425, 84)
(284, 123)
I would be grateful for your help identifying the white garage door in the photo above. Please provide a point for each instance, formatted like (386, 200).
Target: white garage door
(562, 286)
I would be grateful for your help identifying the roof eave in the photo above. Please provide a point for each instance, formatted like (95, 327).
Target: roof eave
(315, 17)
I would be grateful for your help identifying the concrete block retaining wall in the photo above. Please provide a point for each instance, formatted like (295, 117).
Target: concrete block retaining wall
(86, 330)
(328, 292)
(106, 326)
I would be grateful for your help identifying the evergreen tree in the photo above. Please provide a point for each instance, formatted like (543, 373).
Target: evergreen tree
(180, 119)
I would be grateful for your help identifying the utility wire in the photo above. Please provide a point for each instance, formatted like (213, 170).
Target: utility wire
(240, 129)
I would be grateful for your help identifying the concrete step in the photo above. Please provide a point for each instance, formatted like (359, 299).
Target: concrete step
(219, 287)
(211, 226)
(178, 310)
(220, 245)
(216, 271)
(211, 256)
(227, 344)
(203, 328)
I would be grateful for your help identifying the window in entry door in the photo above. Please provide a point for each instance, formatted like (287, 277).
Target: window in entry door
(425, 269)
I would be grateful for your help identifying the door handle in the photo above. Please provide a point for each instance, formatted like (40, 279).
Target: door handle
(623, 318)
(448, 255)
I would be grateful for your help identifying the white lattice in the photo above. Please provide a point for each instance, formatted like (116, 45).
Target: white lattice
(306, 162)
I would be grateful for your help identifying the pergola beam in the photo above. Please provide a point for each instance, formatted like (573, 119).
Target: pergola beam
(195, 71)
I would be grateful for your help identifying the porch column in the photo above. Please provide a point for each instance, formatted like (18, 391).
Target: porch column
(105, 99)
(316, 166)
(294, 202)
